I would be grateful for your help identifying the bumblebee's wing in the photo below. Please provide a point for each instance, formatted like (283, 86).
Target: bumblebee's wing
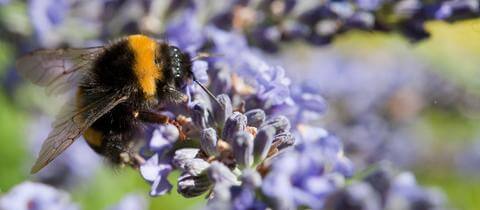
(72, 122)
(58, 70)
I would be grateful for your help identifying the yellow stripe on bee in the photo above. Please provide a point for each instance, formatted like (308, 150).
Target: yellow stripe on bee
(93, 137)
(145, 70)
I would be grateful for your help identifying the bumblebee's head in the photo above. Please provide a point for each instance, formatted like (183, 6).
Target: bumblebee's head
(179, 66)
(180, 69)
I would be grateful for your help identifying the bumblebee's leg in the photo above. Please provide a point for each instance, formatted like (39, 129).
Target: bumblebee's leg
(153, 117)
(117, 149)
(113, 146)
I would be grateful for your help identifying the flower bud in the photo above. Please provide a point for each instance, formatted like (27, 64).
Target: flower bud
(183, 155)
(221, 113)
(195, 166)
(200, 115)
(220, 174)
(243, 149)
(251, 178)
(192, 186)
(280, 123)
(235, 123)
(255, 117)
(262, 143)
(283, 140)
(208, 141)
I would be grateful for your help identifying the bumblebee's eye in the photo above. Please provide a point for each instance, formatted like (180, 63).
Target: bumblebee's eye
(177, 73)
(178, 65)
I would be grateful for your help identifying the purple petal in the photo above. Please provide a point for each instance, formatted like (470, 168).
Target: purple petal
(199, 69)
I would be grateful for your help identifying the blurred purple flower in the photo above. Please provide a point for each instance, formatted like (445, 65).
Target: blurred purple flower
(30, 195)
(46, 15)
(199, 69)
(186, 32)
(406, 194)
(457, 7)
(130, 202)
(4, 2)
(358, 196)
(270, 82)
(369, 5)
(307, 174)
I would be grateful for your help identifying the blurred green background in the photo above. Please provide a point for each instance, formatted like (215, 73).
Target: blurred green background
(453, 50)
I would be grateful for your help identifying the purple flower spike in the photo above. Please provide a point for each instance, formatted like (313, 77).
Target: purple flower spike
(208, 141)
(243, 149)
(235, 123)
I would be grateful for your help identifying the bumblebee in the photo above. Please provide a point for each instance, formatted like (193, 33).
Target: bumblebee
(117, 87)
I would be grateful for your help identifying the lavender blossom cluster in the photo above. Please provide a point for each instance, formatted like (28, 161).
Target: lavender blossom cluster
(236, 150)
(244, 152)
(37, 196)
(255, 146)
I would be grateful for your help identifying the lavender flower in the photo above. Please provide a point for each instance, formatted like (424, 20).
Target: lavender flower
(231, 152)
(157, 167)
(383, 190)
(37, 196)
(4, 2)
(307, 174)
(358, 196)
(131, 201)
(51, 18)
(370, 108)
(406, 194)
(30, 195)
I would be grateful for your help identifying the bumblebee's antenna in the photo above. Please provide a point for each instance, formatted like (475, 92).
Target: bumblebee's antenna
(201, 55)
(208, 93)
